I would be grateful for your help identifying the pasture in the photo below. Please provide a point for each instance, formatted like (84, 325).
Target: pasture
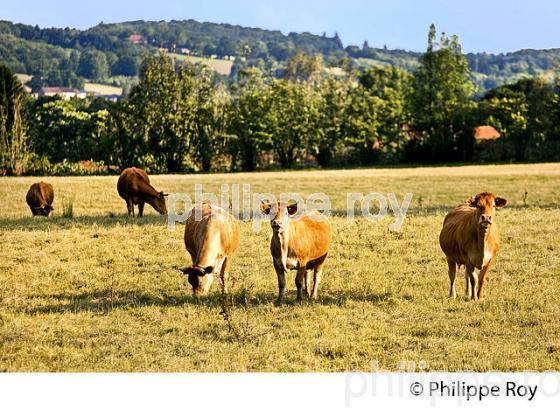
(102, 292)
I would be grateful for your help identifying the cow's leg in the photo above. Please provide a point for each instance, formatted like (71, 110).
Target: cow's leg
(317, 275)
(482, 279)
(307, 284)
(467, 285)
(281, 283)
(140, 208)
(225, 273)
(452, 272)
(300, 277)
(473, 279)
(130, 207)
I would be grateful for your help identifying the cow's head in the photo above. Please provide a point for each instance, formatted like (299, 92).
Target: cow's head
(279, 214)
(159, 203)
(486, 204)
(43, 210)
(200, 279)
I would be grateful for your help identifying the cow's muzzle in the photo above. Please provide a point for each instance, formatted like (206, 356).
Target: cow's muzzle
(485, 220)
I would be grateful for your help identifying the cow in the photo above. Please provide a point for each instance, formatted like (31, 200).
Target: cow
(470, 237)
(299, 242)
(134, 187)
(40, 198)
(211, 238)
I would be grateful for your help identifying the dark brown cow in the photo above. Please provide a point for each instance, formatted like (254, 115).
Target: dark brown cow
(134, 187)
(40, 198)
(298, 242)
(211, 238)
(470, 237)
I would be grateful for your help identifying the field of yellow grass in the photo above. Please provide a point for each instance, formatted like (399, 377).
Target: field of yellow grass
(102, 89)
(220, 66)
(102, 292)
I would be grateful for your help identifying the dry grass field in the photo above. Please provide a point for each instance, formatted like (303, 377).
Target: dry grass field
(102, 89)
(220, 66)
(101, 292)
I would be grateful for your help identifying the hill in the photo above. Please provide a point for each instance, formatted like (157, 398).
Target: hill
(107, 50)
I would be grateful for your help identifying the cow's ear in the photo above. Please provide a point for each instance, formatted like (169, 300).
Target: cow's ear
(292, 209)
(265, 207)
(472, 201)
(500, 202)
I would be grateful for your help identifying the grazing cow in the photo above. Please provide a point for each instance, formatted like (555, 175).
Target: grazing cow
(298, 242)
(470, 237)
(40, 198)
(134, 187)
(211, 238)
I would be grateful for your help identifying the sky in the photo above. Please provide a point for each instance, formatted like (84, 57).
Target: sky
(495, 26)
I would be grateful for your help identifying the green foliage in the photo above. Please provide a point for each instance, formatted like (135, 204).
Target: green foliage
(40, 51)
(13, 133)
(93, 65)
(292, 118)
(441, 102)
(69, 130)
(524, 113)
(248, 111)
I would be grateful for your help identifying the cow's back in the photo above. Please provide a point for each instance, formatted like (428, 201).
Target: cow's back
(220, 229)
(39, 194)
(309, 238)
(130, 181)
(458, 236)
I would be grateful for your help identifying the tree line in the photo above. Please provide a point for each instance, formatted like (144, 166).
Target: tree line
(183, 118)
(104, 53)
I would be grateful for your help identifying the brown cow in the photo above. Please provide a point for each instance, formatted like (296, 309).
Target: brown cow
(298, 242)
(40, 198)
(134, 187)
(470, 237)
(211, 238)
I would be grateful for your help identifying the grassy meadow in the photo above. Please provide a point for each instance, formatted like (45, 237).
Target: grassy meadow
(101, 292)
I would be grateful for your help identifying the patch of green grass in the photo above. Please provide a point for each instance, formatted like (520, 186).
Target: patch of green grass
(102, 292)
(68, 207)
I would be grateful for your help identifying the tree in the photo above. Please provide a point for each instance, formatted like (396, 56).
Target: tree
(13, 139)
(334, 94)
(126, 65)
(159, 116)
(391, 85)
(292, 118)
(249, 110)
(523, 112)
(93, 65)
(69, 130)
(440, 103)
(303, 67)
(362, 124)
(211, 119)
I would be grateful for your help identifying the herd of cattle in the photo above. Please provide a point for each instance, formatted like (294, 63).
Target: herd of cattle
(469, 236)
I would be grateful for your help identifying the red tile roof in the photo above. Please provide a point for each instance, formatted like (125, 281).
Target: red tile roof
(486, 132)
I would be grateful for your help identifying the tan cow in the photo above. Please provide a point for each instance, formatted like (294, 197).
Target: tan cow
(299, 242)
(211, 238)
(134, 187)
(470, 237)
(40, 198)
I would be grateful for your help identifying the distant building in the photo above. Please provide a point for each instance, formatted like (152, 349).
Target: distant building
(486, 132)
(185, 51)
(137, 39)
(64, 92)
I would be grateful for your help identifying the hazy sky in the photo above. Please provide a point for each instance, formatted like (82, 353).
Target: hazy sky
(482, 25)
